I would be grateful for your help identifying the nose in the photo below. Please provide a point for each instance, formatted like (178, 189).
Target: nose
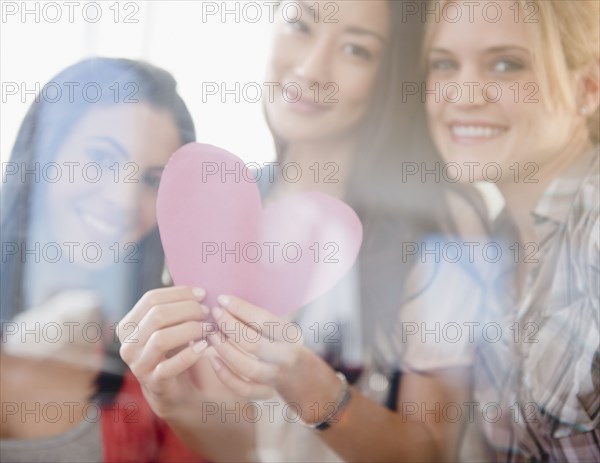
(315, 64)
(469, 90)
(123, 197)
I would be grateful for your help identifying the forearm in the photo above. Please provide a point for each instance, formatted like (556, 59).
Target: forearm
(367, 431)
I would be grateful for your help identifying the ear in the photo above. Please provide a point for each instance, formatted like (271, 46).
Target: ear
(589, 89)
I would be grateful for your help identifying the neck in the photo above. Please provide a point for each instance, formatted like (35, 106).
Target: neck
(522, 197)
(325, 165)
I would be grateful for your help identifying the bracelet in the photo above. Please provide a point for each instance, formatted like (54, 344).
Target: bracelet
(342, 403)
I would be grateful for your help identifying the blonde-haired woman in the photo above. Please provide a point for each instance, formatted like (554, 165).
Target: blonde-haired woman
(533, 68)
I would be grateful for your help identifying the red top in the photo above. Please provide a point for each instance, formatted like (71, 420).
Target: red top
(131, 431)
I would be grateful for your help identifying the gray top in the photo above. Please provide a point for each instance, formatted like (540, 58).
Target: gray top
(81, 444)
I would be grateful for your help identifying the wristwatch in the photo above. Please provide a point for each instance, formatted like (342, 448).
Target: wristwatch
(342, 404)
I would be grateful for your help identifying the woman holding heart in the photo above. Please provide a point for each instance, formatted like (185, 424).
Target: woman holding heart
(80, 244)
(366, 56)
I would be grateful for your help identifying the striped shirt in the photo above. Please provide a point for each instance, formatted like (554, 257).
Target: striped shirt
(543, 378)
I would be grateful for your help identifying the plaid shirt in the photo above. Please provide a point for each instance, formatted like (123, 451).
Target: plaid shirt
(543, 378)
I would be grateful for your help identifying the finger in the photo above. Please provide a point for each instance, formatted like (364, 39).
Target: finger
(163, 341)
(271, 325)
(159, 297)
(172, 367)
(253, 339)
(171, 314)
(236, 384)
(243, 364)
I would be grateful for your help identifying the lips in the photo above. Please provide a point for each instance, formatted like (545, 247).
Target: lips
(308, 107)
(308, 102)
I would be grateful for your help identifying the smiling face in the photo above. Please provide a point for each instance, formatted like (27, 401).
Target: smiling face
(511, 121)
(131, 144)
(335, 65)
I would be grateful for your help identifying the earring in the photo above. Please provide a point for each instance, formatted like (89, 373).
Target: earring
(583, 110)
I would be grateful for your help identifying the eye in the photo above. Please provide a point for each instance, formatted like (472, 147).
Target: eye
(298, 26)
(507, 65)
(101, 156)
(444, 64)
(358, 51)
(152, 179)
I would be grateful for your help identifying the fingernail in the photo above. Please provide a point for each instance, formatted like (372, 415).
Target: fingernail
(199, 292)
(200, 346)
(223, 300)
(217, 312)
(216, 363)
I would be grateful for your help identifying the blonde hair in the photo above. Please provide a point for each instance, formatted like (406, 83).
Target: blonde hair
(565, 38)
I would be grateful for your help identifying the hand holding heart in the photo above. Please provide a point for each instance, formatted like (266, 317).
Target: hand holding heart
(258, 353)
(161, 343)
(252, 352)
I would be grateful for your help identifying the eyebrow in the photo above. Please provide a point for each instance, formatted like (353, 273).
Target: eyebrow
(351, 29)
(361, 31)
(116, 146)
(500, 49)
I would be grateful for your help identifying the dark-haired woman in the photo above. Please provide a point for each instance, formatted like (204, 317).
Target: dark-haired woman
(80, 243)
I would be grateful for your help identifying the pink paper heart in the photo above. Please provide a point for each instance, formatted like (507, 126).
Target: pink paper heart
(216, 234)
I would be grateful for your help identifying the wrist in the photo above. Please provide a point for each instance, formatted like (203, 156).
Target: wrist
(295, 380)
(315, 388)
(333, 410)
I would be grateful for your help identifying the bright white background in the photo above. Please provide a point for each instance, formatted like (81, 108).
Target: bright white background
(171, 34)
